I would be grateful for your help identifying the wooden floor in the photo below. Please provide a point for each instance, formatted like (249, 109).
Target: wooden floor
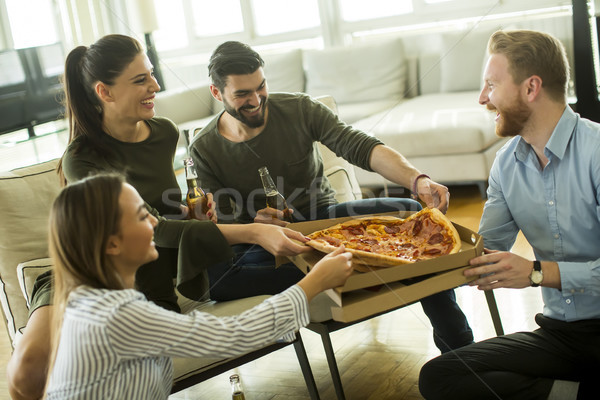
(378, 359)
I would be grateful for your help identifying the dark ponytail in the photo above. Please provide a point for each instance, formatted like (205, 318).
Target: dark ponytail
(102, 62)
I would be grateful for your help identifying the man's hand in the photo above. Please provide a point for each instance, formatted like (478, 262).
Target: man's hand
(278, 240)
(433, 194)
(271, 215)
(502, 269)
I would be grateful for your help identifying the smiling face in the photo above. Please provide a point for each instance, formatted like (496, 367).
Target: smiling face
(133, 245)
(132, 94)
(245, 98)
(501, 94)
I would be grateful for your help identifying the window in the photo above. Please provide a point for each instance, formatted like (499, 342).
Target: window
(280, 16)
(213, 18)
(172, 31)
(11, 72)
(358, 10)
(52, 59)
(29, 22)
(194, 23)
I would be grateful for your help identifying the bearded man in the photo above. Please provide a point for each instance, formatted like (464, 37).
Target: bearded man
(278, 130)
(544, 182)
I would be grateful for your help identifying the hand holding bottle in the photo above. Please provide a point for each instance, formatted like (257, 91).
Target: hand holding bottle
(203, 211)
(273, 216)
(200, 205)
(277, 211)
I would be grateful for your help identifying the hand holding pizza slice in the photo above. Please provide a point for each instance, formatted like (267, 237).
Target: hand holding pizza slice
(388, 241)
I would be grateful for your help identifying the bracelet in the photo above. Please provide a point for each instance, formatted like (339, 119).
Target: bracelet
(414, 194)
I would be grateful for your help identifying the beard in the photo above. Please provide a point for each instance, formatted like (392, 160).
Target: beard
(255, 121)
(512, 119)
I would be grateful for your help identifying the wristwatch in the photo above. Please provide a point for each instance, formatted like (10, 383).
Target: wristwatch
(537, 276)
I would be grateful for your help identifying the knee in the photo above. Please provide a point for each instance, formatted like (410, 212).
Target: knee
(26, 372)
(430, 381)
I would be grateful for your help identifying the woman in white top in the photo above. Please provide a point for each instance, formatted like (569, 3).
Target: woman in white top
(108, 340)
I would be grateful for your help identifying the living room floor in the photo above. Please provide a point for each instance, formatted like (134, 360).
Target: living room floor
(379, 358)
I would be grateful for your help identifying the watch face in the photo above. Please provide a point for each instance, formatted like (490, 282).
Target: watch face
(537, 277)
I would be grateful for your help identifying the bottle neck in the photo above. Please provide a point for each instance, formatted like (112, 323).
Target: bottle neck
(192, 183)
(268, 183)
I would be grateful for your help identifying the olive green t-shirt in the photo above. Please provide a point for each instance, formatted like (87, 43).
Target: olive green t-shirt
(286, 147)
(147, 165)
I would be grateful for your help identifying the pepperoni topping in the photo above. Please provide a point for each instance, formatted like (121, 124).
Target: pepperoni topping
(355, 230)
(432, 252)
(436, 238)
(391, 229)
(417, 227)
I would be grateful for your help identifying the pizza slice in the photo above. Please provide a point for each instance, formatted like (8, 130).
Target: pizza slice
(388, 241)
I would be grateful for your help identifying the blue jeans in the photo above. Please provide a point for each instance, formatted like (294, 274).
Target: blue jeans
(252, 272)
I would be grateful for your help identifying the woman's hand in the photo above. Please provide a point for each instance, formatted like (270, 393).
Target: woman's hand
(278, 240)
(212, 208)
(211, 214)
(331, 271)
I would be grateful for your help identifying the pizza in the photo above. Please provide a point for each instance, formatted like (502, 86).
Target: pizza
(388, 241)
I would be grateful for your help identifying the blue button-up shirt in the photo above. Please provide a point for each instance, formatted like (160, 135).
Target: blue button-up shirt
(556, 208)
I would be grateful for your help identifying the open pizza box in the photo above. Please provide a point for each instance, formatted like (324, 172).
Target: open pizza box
(383, 289)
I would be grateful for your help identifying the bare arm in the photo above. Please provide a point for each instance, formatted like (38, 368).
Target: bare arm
(28, 366)
(275, 239)
(395, 167)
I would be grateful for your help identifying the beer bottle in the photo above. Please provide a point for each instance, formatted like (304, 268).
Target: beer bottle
(195, 198)
(274, 198)
(236, 388)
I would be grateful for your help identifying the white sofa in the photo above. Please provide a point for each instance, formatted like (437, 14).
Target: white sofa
(423, 105)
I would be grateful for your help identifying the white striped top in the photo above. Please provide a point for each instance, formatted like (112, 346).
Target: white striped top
(117, 345)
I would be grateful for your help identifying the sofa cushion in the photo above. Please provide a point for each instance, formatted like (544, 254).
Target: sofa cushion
(356, 74)
(284, 71)
(462, 61)
(434, 124)
(26, 195)
(185, 104)
(352, 112)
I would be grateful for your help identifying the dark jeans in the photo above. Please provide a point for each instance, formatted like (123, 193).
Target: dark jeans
(521, 365)
(253, 273)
